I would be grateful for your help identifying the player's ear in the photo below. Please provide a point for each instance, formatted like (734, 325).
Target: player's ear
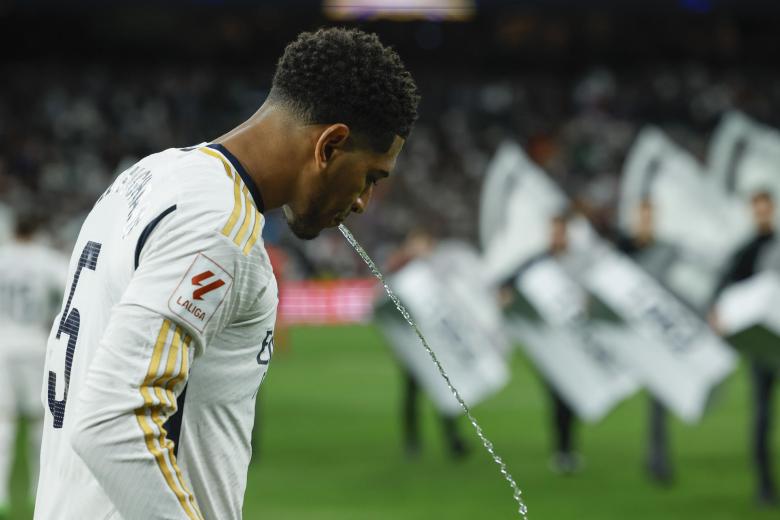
(330, 142)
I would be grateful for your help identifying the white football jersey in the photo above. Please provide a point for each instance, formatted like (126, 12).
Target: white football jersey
(165, 334)
(32, 277)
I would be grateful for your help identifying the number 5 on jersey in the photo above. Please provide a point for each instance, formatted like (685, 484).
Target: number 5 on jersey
(70, 320)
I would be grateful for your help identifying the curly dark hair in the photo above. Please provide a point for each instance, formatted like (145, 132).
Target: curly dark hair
(347, 76)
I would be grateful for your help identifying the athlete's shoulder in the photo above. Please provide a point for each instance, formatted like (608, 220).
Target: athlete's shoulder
(212, 203)
(192, 172)
(236, 200)
(188, 182)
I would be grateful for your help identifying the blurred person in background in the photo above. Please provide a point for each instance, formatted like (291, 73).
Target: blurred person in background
(745, 263)
(32, 277)
(655, 257)
(420, 243)
(565, 459)
(171, 296)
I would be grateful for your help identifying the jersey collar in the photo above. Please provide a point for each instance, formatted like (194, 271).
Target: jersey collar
(256, 196)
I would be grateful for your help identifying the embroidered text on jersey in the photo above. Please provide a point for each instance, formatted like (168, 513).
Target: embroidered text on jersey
(134, 186)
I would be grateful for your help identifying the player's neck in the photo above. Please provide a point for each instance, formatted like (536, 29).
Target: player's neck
(266, 148)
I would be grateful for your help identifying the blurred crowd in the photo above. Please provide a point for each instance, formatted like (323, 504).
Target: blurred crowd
(64, 134)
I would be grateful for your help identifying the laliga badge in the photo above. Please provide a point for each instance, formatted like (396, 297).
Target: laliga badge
(200, 292)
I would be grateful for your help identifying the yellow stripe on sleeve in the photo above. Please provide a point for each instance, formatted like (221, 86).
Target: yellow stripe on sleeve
(247, 218)
(162, 381)
(167, 382)
(248, 204)
(255, 233)
(227, 230)
(209, 151)
(185, 497)
(185, 363)
(231, 223)
(185, 359)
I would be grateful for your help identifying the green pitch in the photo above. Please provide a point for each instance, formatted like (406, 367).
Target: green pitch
(329, 447)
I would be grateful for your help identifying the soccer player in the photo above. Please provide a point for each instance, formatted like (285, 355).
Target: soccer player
(31, 280)
(166, 332)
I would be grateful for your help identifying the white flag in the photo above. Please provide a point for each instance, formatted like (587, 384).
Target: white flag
(459, 318)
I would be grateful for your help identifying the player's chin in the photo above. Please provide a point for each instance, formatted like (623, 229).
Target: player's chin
(307, 234)
(300, 226)
(304, 232)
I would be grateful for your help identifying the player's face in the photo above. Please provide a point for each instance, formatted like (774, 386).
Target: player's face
(644, 227)
(558, 239)
(763, 212)
(344, 185)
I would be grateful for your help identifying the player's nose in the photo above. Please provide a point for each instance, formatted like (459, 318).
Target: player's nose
(361, 203)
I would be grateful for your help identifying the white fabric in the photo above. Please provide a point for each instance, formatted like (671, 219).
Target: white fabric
(743, 155)
(690, 210)
(198, 311)
(755, 301)
(581, 367)
(460, 319)
(672, 352)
